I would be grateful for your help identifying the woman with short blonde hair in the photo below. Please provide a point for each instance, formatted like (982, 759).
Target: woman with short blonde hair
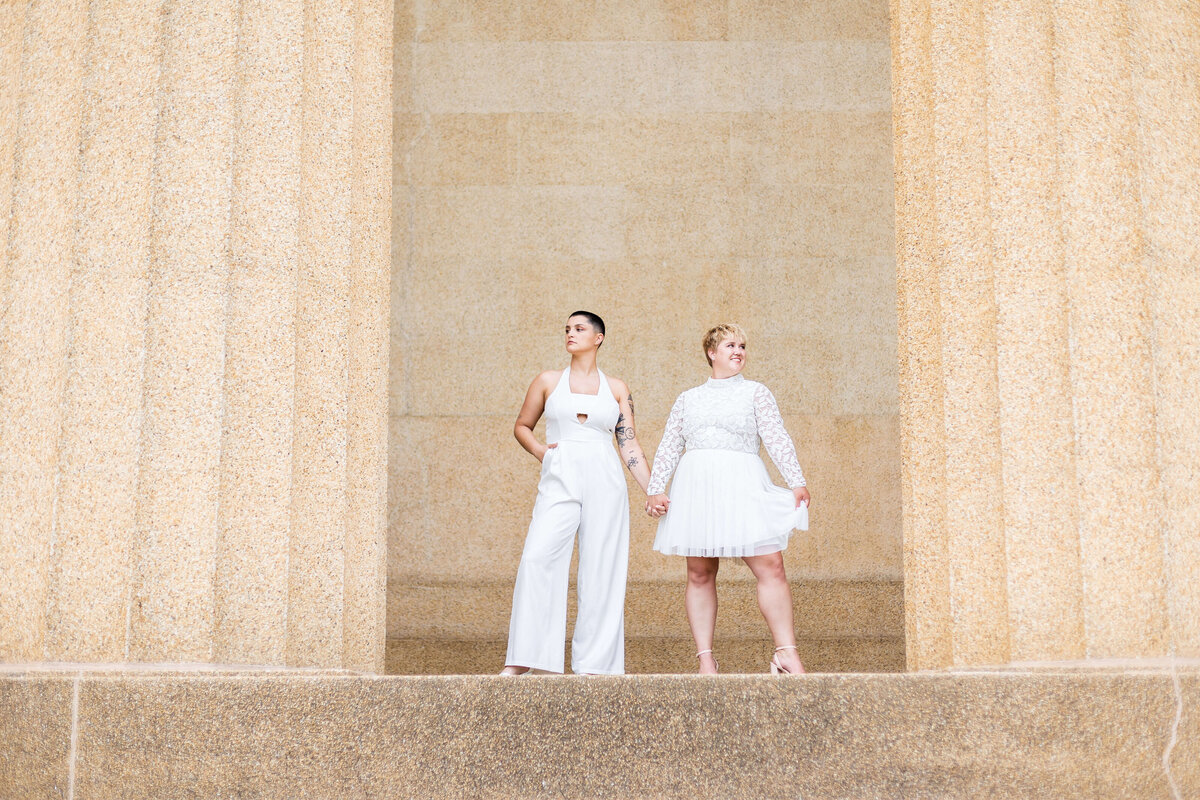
(722, 502)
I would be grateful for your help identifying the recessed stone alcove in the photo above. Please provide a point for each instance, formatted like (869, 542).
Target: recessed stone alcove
(668, 166)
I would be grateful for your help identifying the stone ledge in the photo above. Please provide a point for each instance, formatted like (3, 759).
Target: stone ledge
(1016, 734)
(654, 655)
(174, 669)
(467, 610)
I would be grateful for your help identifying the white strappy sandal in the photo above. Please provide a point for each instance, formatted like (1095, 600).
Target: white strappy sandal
(778, 668)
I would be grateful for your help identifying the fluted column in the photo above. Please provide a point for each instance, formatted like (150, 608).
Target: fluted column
(260, 361)
(1165, 47)
(1047, 160)
(97, 498)
(35, 315)
(193, 305)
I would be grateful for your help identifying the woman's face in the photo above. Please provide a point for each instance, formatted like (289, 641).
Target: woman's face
(729, 357)
(581, 335)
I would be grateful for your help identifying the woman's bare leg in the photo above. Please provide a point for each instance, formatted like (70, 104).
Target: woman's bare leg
(700, 600)
(775, 602)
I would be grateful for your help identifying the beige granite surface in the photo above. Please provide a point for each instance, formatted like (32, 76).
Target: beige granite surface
(34, 324)
(458, 627)
(193, 308)
(35, 736)
(1045, 212)
(655, 608)
(1033, 339)
(671, 654)
(91, 574)
(1165, 50)
(260, 336)
(1014, 733)
(12, 31)
(974, 503)
(319, 469)
(365, 580)
(668, 166)
(174, 553)
(927, 612)
(1121, 534)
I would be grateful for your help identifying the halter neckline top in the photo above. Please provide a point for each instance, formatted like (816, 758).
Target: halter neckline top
(563, 407)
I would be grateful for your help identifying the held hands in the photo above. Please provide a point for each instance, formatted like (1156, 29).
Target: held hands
(657, 504)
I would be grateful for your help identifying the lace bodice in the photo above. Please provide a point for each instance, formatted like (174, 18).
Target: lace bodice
(729, 414)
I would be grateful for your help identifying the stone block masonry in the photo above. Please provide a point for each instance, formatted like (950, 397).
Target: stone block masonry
(668, 166)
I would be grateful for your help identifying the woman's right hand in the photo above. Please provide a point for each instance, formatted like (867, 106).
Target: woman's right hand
(547, 449)
(657, 504)
(802, 496)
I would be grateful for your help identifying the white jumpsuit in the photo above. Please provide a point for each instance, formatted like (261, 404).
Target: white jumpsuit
(582, 489)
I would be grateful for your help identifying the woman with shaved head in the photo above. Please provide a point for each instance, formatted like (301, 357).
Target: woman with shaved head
(582, 490)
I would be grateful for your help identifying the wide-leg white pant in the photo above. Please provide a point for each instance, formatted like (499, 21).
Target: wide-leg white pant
(582, 489)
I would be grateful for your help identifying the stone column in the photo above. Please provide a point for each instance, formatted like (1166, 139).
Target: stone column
(1048, 227)
(193, 331)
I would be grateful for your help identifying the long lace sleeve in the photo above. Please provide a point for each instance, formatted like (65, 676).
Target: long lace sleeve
(670, 450)
(775, 437)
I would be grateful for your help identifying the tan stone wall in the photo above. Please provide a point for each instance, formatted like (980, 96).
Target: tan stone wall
(668, 166)
(193, 330)
(1048, 185)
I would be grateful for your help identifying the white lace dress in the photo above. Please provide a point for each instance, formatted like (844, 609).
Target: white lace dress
(723, 502)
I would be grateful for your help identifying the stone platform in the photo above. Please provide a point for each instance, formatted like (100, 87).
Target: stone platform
(460, 627)
(1122, 732)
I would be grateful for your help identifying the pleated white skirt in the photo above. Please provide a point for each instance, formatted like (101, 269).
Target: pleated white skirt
(723, 504)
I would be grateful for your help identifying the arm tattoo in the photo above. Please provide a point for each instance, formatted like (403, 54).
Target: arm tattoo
(624, 432)
(632, 462)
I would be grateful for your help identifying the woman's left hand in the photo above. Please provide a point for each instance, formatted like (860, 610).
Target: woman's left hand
(802, 496)
(657, 504)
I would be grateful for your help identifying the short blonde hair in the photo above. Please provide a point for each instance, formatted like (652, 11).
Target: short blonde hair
(719, 334)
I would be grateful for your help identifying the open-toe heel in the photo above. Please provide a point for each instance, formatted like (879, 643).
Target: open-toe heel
(710, 653)
(777, 667)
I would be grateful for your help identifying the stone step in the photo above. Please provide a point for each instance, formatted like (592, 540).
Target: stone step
(457, 627)
(650, 655)
(466, 610)
(1014, 734)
